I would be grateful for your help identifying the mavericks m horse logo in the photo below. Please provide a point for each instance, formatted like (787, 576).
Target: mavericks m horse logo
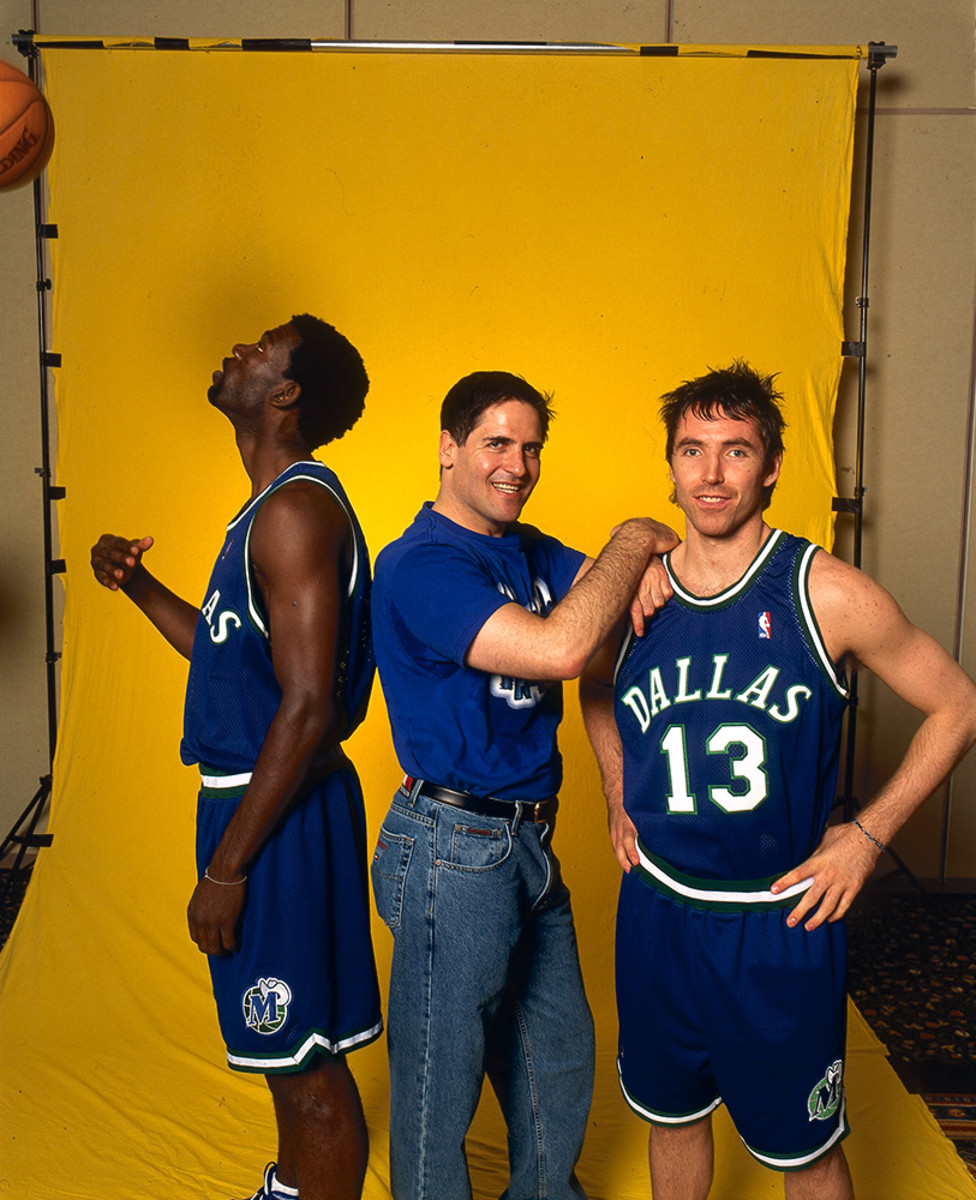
(825, 1098)
(266, 1005)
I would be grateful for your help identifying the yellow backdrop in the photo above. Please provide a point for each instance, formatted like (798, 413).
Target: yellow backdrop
(606, 226)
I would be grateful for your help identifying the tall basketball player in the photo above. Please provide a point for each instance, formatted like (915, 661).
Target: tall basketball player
(281, 667)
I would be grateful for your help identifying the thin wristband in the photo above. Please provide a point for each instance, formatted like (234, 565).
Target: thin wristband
(225, 882)
(870, 836)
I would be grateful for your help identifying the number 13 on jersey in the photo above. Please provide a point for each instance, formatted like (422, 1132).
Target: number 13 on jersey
(746, 753)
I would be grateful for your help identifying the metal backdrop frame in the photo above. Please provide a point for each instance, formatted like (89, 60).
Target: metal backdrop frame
(24, 833)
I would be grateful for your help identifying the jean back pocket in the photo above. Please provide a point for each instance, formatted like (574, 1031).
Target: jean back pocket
(389, 873)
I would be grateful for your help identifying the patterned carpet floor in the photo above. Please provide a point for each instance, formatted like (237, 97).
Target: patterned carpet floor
(912, 975)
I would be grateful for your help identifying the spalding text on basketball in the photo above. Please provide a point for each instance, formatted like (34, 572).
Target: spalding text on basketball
(21, 149)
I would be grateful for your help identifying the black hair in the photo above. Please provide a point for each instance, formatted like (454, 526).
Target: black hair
(472, 395)
(334, 383)
(738, 392)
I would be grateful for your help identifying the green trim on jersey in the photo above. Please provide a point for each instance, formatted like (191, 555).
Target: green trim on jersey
(809, 625)
(716, 895)
(254, 607)
(801, 597)
(724, 598)
(222, 785)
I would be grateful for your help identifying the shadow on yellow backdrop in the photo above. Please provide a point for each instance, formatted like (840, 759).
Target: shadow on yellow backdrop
(606, 226)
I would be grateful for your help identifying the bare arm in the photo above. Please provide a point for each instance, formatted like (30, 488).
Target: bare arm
(596, 701)
(859, 619)
(298, 545)
(514, 641)
(117, 564)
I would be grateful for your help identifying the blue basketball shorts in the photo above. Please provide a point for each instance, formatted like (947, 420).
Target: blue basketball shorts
(724, 1003)
(303, 980)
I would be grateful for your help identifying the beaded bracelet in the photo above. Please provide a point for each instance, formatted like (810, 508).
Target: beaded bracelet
(870, 836)
(232, 882)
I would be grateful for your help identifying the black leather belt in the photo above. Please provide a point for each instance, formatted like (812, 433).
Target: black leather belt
(541, 812)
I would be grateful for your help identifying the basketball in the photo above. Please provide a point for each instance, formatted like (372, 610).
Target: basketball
(26, 129)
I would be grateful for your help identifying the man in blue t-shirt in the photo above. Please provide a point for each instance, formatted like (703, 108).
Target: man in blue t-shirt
(476, 620)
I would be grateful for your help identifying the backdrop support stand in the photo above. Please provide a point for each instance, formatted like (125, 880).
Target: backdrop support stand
(24, 833)
(878, 55)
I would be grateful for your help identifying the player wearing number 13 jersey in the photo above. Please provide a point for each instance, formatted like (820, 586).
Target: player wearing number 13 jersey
(717, 736)
(729, 714)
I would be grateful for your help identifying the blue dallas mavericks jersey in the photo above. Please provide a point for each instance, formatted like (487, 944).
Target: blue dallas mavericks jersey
(435, 587)
(232, 694)
(729, 711)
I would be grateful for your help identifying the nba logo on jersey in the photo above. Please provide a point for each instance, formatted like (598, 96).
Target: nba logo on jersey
(765, 626)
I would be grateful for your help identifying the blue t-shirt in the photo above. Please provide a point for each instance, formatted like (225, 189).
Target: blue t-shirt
(232, 694)
(455, 726)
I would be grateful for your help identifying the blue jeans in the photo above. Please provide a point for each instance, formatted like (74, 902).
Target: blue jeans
(485, 979)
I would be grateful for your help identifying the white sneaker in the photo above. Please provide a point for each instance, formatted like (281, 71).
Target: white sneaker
(271, 1189)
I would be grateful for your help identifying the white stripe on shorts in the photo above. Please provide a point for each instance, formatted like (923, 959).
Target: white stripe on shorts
(226, 781)
(273, 1063)
(718, 894)
(791, 1164)
(659, 1118)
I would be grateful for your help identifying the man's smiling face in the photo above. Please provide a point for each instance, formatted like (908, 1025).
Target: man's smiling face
(486, 480)
(719, 471)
